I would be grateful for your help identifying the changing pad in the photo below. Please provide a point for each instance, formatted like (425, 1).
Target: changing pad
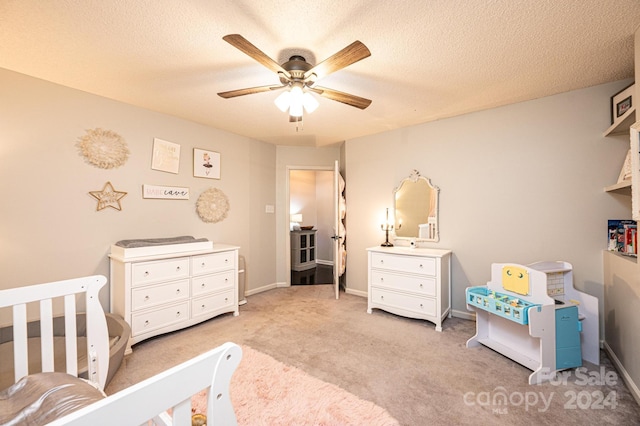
(127, 249)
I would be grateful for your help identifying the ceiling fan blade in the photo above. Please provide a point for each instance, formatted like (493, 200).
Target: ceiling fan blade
(244, 45)
(248, 91)
(345, 98)
(351, 54)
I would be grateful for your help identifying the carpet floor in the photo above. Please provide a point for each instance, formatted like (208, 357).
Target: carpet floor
(418, 375)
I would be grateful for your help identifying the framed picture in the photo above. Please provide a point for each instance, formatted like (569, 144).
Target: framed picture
(621, 103)
(166, 156)
(165, 192)
(206, 164)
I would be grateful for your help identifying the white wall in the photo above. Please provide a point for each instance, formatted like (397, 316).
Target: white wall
(520, 183)
(49, 226)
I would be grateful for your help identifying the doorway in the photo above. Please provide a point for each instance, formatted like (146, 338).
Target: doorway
(311, 210)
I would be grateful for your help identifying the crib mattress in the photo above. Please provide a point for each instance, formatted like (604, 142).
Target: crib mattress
(41, 398)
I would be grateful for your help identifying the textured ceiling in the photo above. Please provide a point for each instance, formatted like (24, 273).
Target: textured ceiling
(429, 59)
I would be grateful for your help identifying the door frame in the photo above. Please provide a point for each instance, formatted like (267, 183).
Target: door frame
(287, 239)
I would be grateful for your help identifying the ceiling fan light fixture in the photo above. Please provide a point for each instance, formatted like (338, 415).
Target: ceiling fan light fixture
(283, 101)
(310, 103)
(295, 109)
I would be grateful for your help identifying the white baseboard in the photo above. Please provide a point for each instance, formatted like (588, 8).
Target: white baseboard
(633, 388)
(263, 288)
(356, 292)
(324, 262)
(463, 314)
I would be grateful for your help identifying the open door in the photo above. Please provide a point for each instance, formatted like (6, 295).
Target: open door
(339, 253)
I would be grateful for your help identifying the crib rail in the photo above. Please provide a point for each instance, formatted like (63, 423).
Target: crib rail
(97, 334)
(148, 400)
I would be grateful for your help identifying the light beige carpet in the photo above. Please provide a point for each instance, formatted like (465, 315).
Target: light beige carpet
(265, 391)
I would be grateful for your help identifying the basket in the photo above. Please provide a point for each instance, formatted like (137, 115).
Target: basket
(509, 307)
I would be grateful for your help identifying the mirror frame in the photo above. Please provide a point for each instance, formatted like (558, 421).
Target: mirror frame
(414, 177)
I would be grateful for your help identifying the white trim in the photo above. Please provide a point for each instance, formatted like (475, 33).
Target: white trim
(324, 262)
(633, 388)
(359, 293)
(463, 314)
(260, 289)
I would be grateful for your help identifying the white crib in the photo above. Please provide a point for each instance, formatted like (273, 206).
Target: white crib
(144, 402)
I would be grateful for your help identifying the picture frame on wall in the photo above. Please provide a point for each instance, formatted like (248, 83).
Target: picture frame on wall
(206, 164)
(166, 156)
(622, 104)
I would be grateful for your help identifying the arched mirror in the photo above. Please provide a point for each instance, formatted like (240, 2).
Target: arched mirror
(416, 209)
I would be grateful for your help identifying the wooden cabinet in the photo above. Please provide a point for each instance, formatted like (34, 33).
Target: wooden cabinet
(303, 249)
(160, 293)
(412, 282)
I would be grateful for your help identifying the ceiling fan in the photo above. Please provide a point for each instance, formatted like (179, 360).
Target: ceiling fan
(300, 77)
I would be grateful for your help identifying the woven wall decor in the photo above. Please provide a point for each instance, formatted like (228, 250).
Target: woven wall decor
(212, 205)
(108, 197)
(103, 148)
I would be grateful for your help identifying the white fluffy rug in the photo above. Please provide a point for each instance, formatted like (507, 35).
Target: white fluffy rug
(267, 392)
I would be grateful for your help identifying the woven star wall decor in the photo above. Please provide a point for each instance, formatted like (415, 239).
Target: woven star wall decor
(108, 197)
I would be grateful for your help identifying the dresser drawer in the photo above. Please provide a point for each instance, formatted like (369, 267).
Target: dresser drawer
(425, 286)
(160, 270)
(154, 295)
(147, 321)
(408, 302)
(409, 264)
(206, 304)
(208, 263)
(207, 283)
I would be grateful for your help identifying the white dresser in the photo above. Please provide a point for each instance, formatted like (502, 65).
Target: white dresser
(411, 282)
(159, 293)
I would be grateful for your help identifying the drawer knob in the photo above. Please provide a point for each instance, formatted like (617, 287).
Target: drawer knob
(146, 273)
(381, 297)
(177, 268)
(202, 264)
(178, 314)
(226, 261)
(421, 285)
(203, 285)
(146, 298)
(381, 279)
(421, 265)
(226, 280)
(226, 299)
(381, 261)
(203, 306)
(177, 291)
(146, 323)
(421, 306)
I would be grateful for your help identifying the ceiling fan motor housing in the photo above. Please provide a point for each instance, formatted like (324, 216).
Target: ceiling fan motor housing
(296, 66)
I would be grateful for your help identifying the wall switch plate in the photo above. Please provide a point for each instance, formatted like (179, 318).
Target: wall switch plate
(269, 208)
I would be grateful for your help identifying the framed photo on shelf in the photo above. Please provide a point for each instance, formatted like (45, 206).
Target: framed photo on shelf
(206, 164)
(621, 103)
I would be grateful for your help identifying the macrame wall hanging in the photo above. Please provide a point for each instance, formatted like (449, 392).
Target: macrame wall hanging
(212, 205)
(103, 148)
